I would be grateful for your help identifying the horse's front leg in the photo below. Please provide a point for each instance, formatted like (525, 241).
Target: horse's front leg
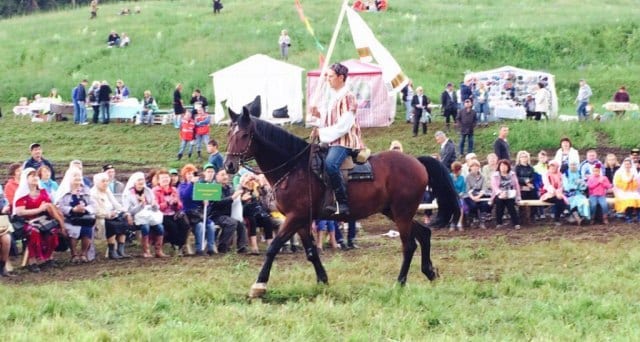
(259, 288)
(311, 251)
(408, 248)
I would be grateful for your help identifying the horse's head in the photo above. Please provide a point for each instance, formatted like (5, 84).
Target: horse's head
(239, 140)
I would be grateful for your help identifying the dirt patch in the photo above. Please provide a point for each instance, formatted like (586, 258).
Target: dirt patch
(369, 238)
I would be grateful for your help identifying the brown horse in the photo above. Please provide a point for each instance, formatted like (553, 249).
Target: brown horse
(396, 192)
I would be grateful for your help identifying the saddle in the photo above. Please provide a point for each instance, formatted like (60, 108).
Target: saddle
(356, 168)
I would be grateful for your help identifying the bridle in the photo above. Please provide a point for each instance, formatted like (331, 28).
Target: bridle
(243, 160)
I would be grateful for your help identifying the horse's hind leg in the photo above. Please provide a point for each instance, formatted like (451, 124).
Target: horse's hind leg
(408, 248)
(423, 234)
(311, 251)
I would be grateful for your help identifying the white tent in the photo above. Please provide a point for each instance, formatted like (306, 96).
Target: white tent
(522, 80)
(278, 83)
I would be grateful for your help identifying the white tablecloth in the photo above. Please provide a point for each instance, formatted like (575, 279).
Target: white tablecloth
(619, 106)
(517, 113)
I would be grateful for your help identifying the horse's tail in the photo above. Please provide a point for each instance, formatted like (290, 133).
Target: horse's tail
(443, 191)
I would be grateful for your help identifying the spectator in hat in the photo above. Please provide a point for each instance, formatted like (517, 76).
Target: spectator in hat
(215, 157)
(598, 185)
(635, 158)
(36, 160)
(114, 185)
(627, 197)
(175, 177)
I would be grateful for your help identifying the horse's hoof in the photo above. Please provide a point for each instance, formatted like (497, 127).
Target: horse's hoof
(433, 274)
(258, 290)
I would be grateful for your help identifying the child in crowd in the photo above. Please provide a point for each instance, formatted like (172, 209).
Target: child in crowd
(322, 228)
(202, 121)
(187, 131)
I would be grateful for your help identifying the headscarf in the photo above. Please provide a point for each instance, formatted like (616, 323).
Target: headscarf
(23, 187)
(99, 177)
(65, 185)
(132, 182)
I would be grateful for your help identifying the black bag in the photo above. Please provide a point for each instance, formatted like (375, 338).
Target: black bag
(44, 224)
(63, 243)
(118, 224)
(85, 220)
(195, 216)
(281, 113)
(255, 107)
(18, 227)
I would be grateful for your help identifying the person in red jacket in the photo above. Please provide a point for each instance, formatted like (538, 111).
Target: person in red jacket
(203, 121)
(187, 134)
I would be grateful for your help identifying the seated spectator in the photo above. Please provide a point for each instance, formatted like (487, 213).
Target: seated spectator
(44, 174)
(78, 164)
(136, 198)
(125, 11)
(116, 187)
(467, 159)
(527, 178)
(23, 107)
(5, 247)
(598, 186)
(586, 167)
(566, 154)
(54, 97)
(478, 192)
(254, 213)
(194, 211)
(109, 217)
(149, 106)
(460, 186)
(31, 202)
(121, 91)
(221, 215)
(10, 187)
(611, 165)
(575, 187)
(168, 200)
(505, 192)
(74, 201)
(553, 190)
(543, 163)
(175, 177)
(625, 189)
(113, 39)
(125, 41)
(490, 168)
(621, 95)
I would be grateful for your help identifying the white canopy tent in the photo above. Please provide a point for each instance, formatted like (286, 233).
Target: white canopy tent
(278, 83)
(523, 80)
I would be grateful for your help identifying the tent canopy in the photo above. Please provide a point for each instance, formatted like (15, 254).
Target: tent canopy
(523, 80)
(278, 83)
(376, 106)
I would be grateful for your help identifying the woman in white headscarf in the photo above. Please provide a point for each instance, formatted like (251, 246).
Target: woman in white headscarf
(30, 202)
(136, 198)
(74, 200)
(109, 209)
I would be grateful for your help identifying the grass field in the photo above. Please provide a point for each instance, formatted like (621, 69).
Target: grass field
(535, 284)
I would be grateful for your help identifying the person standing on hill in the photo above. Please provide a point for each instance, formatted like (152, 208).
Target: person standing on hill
(217, 6)
(420, 104)
(447, 149)
(501, 146)
(94, 9)
(104, 97)
(584, 93)
(79, 97)
(178, 105)
(466, 121)
(543, 101)
(449, 102)
(285, 42)
(196, 97)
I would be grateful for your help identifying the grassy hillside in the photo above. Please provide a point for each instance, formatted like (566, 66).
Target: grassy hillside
(434, 42)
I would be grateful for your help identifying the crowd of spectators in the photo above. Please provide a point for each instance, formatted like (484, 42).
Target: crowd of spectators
(575, 190)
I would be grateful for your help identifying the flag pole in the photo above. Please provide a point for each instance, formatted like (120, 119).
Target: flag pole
(332, 44)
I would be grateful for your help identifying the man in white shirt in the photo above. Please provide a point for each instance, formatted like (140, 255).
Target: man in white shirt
(340, 129)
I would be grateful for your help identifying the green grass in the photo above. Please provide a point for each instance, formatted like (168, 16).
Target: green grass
(490, 289)
(436, 42)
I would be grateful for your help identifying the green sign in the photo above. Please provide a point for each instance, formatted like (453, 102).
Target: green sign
(207, 192)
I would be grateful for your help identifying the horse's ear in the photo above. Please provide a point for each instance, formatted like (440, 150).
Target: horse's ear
(234, 117)
(246, 116)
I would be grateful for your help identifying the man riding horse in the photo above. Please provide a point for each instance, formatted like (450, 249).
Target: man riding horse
(339, 128)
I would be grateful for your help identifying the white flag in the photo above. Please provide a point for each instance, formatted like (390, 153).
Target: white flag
(369, 48)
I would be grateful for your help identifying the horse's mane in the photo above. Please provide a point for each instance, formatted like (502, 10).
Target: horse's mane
(278, 139)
